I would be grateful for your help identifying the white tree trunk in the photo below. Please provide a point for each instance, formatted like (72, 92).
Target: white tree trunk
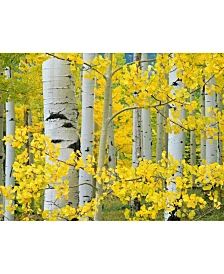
(192, 140)
(136, 129)
(220, 142)
(146, 123)
(211, 143)
(111, 142)
(166, 114)
(136, 138)
(2, 177)
(60, 120)
(28, 123)
(86, 180)
(203, 135)
(146, 134)
(10, 151)
(103, 136)
(159, 133)
(176, 142)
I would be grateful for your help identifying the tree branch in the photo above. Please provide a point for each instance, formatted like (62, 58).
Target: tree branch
(84, 63)
(131, 63)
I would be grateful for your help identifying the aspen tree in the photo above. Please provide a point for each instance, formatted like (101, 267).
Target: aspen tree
(103, 136)
(87, 128)
(136, 137)
(111, 142)
(28, 123)
(10, 151)
(2, 177)
(210, 104)
(60, 121)
(146, 122)
(220, 142)
(166, 115)
(192, 139)
(159, 133)
(203, 134)
(176, 141)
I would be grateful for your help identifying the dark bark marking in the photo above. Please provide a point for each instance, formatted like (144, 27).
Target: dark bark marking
(68, 125)
(75, 146)
(56, 115)
(56, 141)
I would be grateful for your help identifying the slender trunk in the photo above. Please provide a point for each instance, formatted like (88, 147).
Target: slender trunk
(211, 143)
(192, 140)
(220, 142)
(176, 142)
(10, 151)
(2, 177)
(136, 139)
(103, 137)
(146, 123)
(146, 135)
(160, 131)
(87, 128)
(60, 120)
(136, 129)
(111, 144)
(28, 123)
(203, 134)
(166, 114)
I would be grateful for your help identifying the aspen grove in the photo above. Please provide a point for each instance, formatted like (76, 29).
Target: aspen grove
(111, 136)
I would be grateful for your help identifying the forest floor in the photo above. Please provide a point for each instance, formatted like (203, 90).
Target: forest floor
(113, 210)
